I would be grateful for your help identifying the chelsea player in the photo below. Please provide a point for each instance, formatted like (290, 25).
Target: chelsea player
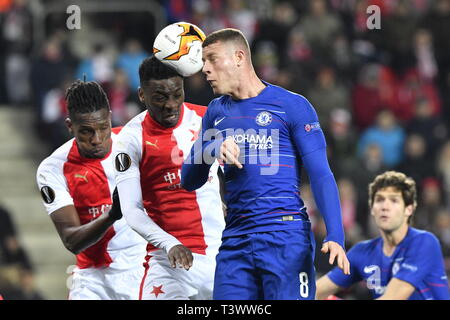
(265, 135)
(404, 262)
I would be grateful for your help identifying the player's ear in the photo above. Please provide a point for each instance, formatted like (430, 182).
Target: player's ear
(409, 210)
(141, 95)
(69, 124)
(239, 57)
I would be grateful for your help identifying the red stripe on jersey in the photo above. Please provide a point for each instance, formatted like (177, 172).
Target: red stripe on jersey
(88, 186)
(174, 209)
(199, 110)
(116, 130)
(146, 267)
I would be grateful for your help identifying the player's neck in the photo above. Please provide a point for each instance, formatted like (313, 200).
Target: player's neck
(248, 87)
(392, 239)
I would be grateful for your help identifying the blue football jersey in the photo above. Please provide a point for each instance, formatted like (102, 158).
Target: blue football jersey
(417, 260)
(273, 130)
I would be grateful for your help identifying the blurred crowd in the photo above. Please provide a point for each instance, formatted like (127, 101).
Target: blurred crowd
(382, 95)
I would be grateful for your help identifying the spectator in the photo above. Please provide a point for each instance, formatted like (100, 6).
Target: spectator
(320, 26)
(122, 99)
(48, 70)
(327, 95)
(409, 89)
(16, 27)
(349, 204)
(437, 21)
(277, 28)
(240, 17)
(424, 52)
(362, 173)
(16, 270)
(443, 168)
(97, 67)
(54, 112)
(129, 61)
(366, 97)
(341, 139)
(428, 125)
(416, 162)
(398, 33)
(430, 203)
(388, 135)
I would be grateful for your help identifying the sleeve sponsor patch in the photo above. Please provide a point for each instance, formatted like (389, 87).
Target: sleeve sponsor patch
(47, 194)
(122, 162)
(309, 127)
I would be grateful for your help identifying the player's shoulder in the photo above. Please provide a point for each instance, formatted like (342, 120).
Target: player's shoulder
(133, 126)
(422, 236)
(56, 160)
(59, 155)
(290, 101)
(116, 130)
(286, 94)
(217, 103)
(199, 109)
(367, 245)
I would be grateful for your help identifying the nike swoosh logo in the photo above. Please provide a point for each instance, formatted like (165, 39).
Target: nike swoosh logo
(216, 122)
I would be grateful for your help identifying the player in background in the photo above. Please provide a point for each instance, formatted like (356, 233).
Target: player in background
(404, 262)
(76, 183)
(265, 135)
(182, 228)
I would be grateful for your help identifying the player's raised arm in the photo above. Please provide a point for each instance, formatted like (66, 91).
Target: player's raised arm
(195, 169)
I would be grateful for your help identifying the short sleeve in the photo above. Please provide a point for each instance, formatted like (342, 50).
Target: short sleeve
(127, 154)
(53, 185)
(423, 254)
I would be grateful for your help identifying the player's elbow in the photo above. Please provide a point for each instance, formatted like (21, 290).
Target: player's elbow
(72, 247)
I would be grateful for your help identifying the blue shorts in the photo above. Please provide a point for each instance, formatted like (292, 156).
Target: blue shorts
(276, 265)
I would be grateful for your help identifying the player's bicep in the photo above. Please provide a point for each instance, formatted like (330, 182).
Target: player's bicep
(53, 187)
(127, 151)
(305, 128)
(397, 290)
(65, 219)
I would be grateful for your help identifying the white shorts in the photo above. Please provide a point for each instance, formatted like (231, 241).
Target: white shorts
(162, 282)
(106, 284)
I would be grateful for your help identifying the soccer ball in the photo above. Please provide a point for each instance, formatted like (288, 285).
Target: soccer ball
(179, 45)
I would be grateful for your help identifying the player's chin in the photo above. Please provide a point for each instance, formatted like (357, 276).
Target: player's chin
(97, 153)
(170, 122)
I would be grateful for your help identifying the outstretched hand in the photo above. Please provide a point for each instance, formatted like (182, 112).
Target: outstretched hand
(180, 255)
(336, 251)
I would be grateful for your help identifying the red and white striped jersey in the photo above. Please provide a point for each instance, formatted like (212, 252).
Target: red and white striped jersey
(154, 154)
(66, 178)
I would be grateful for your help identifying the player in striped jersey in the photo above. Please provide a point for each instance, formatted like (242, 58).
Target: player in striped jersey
(183, 228)
(76, 183)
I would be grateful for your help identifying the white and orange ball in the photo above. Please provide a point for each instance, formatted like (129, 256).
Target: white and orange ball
(179, 45)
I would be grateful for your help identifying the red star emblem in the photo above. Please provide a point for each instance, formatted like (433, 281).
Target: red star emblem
(195, 135)
(157, 290)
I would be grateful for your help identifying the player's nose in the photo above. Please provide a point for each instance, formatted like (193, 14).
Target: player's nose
(205, 68)
(96, 138)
